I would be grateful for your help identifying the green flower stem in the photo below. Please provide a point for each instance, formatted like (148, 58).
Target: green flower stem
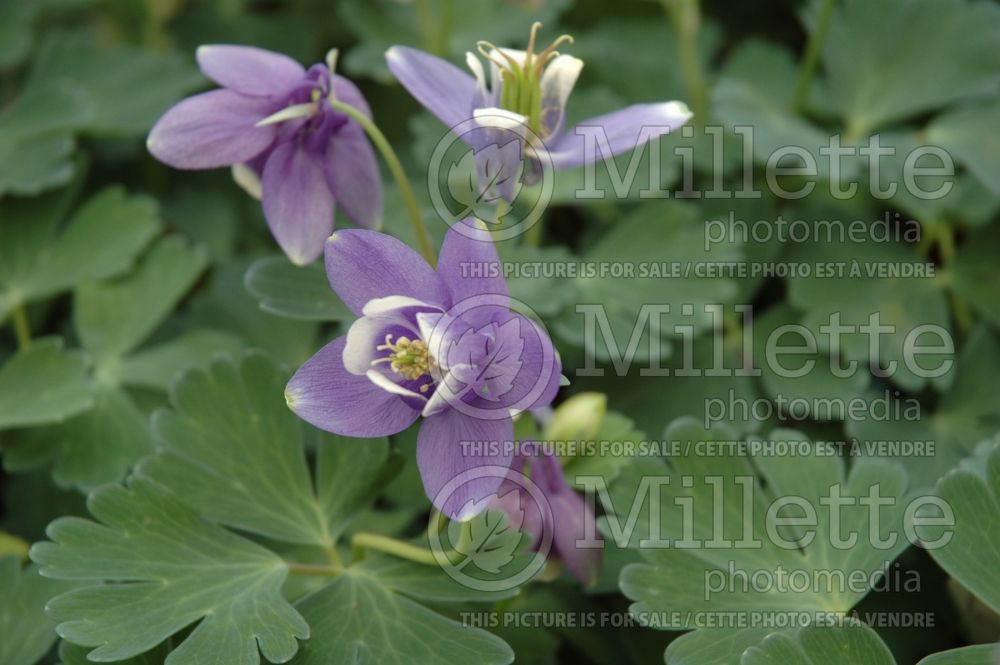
(533, 236)
(946, 243)
(373, 541)
(21, 326)
(333, 556)
(313, 569)
(409, 200)
(446, 22)
(425, 19)
(814, 47)
(686, 17)
(436, 523)
(943, 235)
(435, 27)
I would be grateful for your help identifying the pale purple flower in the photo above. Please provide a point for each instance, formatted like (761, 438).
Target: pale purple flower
(299, 163)
(442, 345)
(526, 91)
(568, 520)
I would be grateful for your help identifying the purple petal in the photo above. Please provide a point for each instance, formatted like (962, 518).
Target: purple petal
(211, 130)
(573, 520)
(441, 459)
(347, 92)
(298, 204)
(499, 166)
(537, 379)
(363, 265)
(470, 267)
(522, 512)
(249, 70)
(444, 89)
(353, 176)
(621, 129)
(326, 395)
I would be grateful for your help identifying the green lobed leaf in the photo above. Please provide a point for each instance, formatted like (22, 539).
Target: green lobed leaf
(974, 272)
(26, 634)
(981, 654)
(231, 449)
(964, 416)
(128, 88)
(853, 643)
(37, 261)
(713, 647)
(43, 384)
(95, 447)
(156, 367)
(944, 194)
(849, 642)
(944, 50)
(971, 554)
(72, 654)
(225, 305)
(113, 318)
(16, 32)
(296, 292)
(534, 276)
(809, 394)
(646, 71)
(356, 620)
(906, 303)
(967, 133)
(167, 569)
(675, 579)
(37, 138)
(602, 280)
(422, 582)
(738, 103)
(656, 401)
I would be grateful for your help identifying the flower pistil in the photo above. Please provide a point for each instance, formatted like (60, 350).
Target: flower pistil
(521, 77)
(410, 358)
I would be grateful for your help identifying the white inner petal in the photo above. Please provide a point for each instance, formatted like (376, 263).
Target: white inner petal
(557, 83)
(477, 70)
(247, 178)
(387, 384)
(379, 306)
(500, 119)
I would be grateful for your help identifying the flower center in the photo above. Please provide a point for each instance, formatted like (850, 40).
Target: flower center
(410, 358)
(521, 80)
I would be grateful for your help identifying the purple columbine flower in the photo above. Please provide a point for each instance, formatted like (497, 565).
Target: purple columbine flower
(441, 344)
(568, 520)
(271, 122)
(527, 90)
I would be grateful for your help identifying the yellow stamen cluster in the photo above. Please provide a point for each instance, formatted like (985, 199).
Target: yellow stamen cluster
(410, 358)
(522, 81)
